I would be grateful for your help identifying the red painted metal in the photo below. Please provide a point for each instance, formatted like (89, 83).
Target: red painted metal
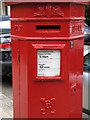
(47, 26)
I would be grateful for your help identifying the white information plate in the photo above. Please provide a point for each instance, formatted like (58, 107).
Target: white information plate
(48, 62)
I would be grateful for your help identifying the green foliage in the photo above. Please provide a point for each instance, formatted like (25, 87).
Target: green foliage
(87, 14)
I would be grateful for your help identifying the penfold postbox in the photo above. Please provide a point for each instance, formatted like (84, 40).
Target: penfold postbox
(47, 59)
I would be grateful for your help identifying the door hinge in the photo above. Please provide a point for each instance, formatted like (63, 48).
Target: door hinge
(18, 56)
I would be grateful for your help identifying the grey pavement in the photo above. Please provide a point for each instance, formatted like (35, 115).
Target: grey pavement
(6, 100)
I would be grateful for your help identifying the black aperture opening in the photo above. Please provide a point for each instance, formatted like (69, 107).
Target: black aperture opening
(48, 27)
(74, 89)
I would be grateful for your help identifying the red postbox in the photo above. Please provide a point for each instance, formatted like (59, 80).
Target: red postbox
(47, 59)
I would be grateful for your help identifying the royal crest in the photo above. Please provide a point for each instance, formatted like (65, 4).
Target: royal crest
(48, 11)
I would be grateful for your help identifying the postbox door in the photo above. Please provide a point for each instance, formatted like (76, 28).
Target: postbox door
(42, 91)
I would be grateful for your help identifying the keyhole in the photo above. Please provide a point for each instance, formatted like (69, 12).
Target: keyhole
(74, 89)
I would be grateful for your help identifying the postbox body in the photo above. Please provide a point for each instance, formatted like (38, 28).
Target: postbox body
(47, 58)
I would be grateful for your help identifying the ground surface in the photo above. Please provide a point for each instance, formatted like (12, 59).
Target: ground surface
(6, 99)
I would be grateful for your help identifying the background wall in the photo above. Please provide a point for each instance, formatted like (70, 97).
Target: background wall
(4, 10)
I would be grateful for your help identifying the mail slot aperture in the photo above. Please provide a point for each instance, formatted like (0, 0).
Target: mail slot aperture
(48, 28)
